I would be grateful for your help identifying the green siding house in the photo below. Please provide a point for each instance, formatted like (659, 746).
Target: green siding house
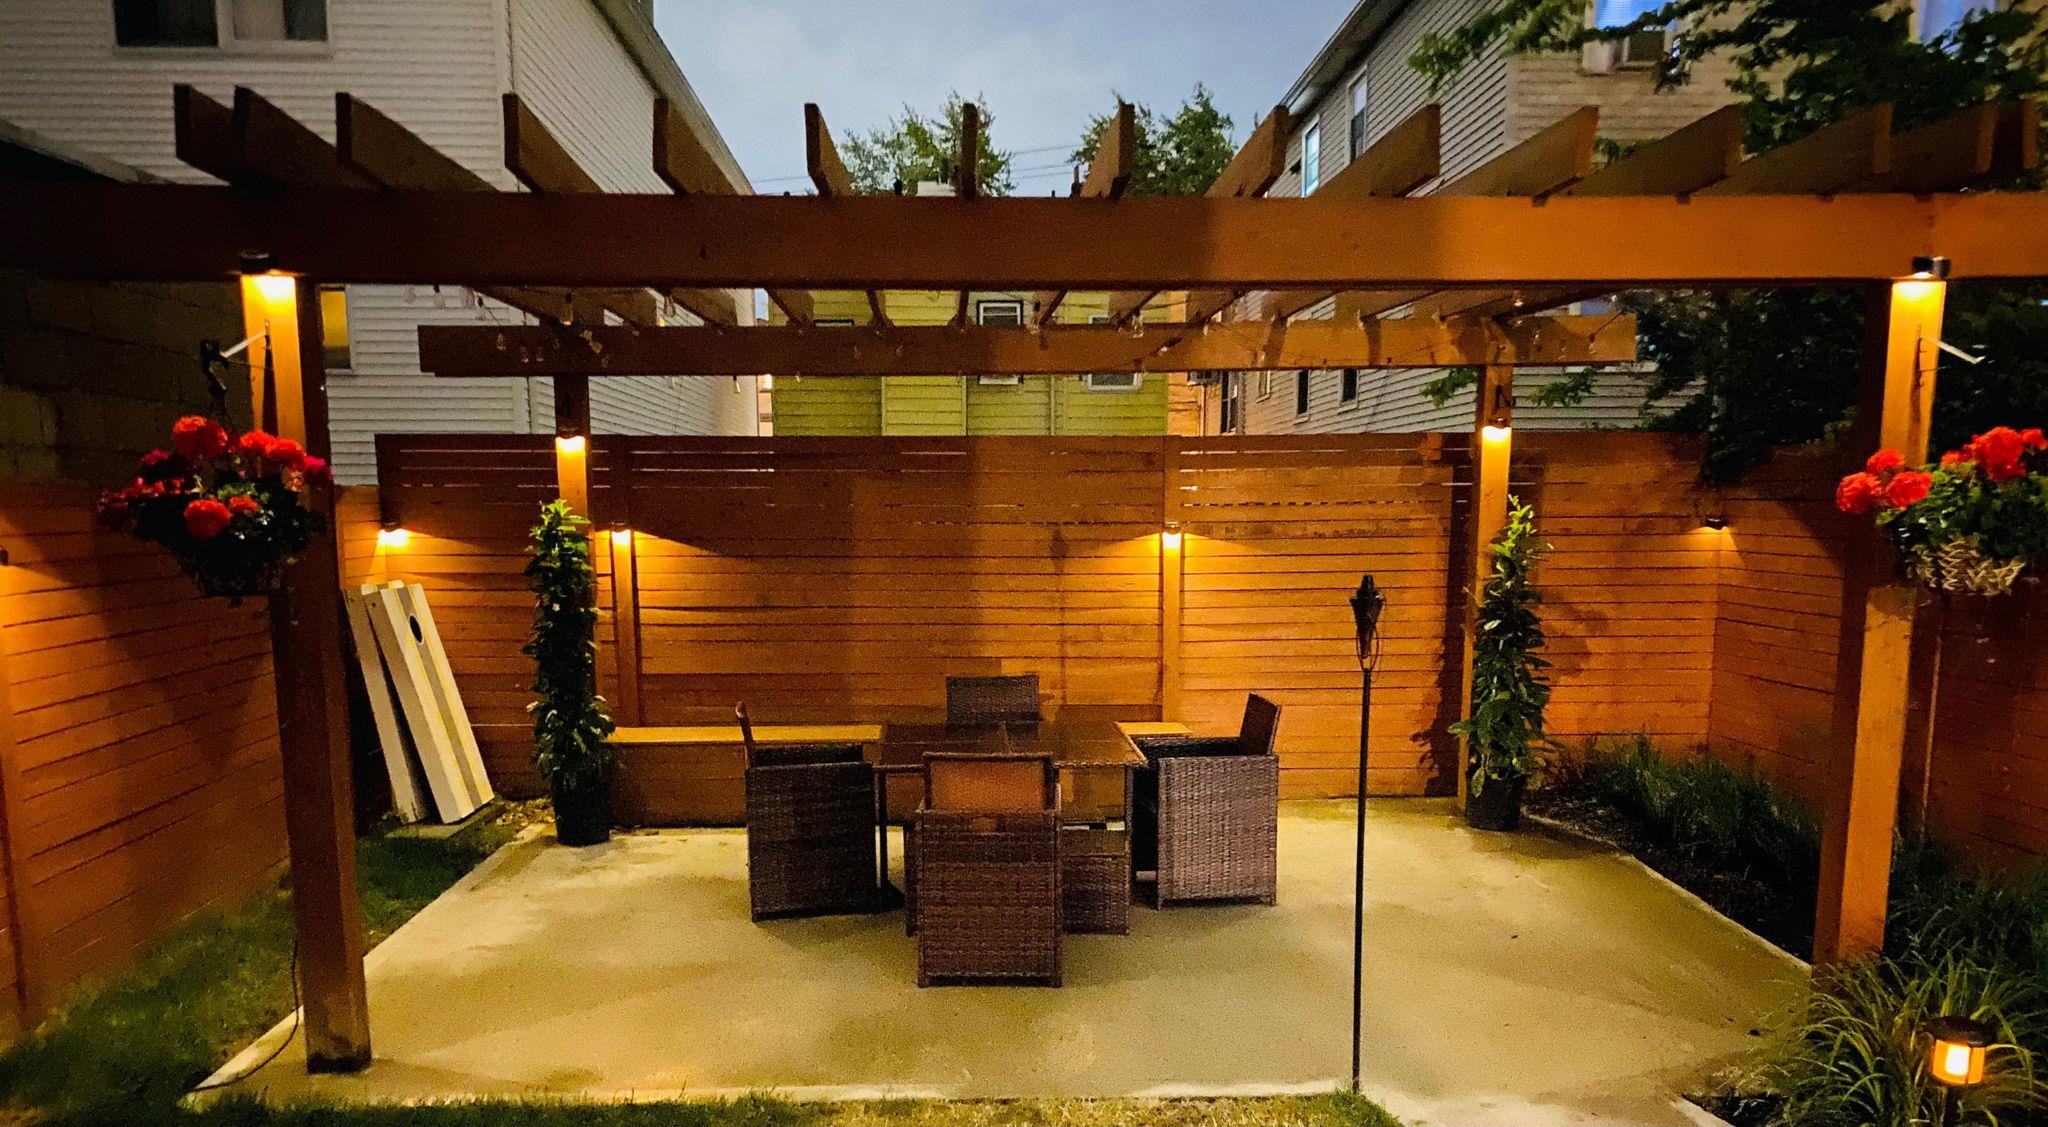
(864, 405)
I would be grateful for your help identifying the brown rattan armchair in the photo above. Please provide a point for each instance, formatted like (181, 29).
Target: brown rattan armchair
(810, 828)
(1208, 812)
(993, 700)
(986, 854)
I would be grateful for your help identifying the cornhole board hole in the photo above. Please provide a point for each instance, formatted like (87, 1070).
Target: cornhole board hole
(408, 785)
(406, 660)
(441, 677)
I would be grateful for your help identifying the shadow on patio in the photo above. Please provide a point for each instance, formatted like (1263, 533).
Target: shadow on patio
(1510, 979)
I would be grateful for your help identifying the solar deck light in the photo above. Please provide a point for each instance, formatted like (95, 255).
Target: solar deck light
(1716, 521)
(1957, 1055)
(571, 444)
(1930, 267)
(621, 535)
(393, 536)
(1500, 417)
(1169, 537)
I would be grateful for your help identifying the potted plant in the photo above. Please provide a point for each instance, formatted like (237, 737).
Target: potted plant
(570, 722)
(1505, 730)
(1970, 524)
(233, 511)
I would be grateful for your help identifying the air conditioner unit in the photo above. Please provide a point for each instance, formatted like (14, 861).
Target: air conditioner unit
(1114, 381)
(1640, 51)
(997, 381)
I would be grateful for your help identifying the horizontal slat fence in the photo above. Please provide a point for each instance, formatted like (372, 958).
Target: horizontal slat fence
(139, 725)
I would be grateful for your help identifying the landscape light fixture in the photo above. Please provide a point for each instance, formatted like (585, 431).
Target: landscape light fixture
(1717, 522)
(1930, 267)
(1957, 1055)
(1169, 537)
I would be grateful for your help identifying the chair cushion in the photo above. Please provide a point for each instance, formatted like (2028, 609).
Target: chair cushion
(986, 786)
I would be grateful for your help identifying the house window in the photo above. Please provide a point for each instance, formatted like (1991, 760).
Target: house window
(1114, 381)
(1936, 17)
(1312, 160)
(334, 328)
(1266, 384)
(218, 23)
(1347, 389)
(1358, 117)
(1620, 13)
(1007, 313)
(1301, 393)
(1641, 50)
(1232, 416)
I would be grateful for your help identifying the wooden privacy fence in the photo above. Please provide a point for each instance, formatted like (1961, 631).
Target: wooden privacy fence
(843, 579)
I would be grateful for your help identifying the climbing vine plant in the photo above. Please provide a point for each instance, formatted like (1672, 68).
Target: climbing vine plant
(1509, 694)
(570, 721)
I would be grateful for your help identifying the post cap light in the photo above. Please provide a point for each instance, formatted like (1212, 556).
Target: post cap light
(1493, 432)
(1957, 1056)
(1715, 521)
(1930, 267)
(1169, 537)
(570, 443)
(621, 535)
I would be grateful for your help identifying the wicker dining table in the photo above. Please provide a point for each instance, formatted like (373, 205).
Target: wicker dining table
(1077, 741)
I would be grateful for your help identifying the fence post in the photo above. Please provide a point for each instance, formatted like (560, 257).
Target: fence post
(1171, 546)
(1492, 442)
(31, 997)
(1874, 659)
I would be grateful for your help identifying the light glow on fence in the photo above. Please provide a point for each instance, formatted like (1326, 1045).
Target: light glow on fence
(1495, 434)
(393, 537)
(571, 444)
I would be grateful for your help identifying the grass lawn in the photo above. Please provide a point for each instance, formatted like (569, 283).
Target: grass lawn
(128, 1051)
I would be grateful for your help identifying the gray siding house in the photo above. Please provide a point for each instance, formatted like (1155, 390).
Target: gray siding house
(96, 76)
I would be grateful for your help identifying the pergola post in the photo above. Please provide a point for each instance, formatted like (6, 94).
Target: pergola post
(1895, 402)
(1492, 441)
(312, 697)
(572, 442)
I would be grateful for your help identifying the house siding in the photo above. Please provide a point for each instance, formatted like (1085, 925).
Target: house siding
(437, 69)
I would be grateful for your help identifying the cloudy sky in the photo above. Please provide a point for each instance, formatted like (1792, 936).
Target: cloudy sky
(1041, 67)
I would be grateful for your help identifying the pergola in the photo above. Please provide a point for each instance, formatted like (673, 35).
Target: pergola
(1451, 278)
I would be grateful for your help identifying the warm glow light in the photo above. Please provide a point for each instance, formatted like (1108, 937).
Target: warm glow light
(1492, 433)
(275, 289)
(622, 536)
(1170, 541)
(1917, 292)
(392, 537)
(570, 443)
(1957, 1056)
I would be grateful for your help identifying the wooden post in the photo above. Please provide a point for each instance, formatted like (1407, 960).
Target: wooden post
(31, 985)
(572, 442)
(1873, 664)
(625, 542)
(1172, 544)
(1492, 441)
(312, 698)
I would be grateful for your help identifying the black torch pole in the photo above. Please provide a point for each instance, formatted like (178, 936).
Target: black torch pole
(1366, 606)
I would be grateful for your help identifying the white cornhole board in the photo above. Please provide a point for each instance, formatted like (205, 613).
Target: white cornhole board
(406, 659)
(441, 676)
(408, 799)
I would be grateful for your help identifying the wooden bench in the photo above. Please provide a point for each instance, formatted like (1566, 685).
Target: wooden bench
(695, 774)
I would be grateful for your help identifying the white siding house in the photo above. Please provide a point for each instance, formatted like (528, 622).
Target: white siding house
(590, 69)
(1490, 106)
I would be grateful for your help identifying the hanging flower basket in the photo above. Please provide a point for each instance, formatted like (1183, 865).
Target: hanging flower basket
(232, 511)
(1969, 525)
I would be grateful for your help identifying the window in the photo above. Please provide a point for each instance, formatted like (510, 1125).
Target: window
(1114, 381)
(1358, 117)
(1301, 393)
(1266, 384)
(334, 328)
(218, 23)
(1311, 160)
(1347, 389)
(1936, 17)
(1232, 414)
(1008, 313)
(1640, 51)
(1619, 13)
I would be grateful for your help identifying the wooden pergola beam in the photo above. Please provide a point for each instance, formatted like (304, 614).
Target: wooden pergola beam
(967, 173)
(463, 351)
(1409, 156)
(1851, 151)
(539, 161)
(1705, 152)
(1985, 143)
(829, 176)
(1259, 162)
(683, 163)
(189, 232)
(1109, 174)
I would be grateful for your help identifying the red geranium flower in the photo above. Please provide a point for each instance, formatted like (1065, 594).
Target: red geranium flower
(255, 443)
(1884, 460)
(1954, 458)
(2034, 439)
(207, 518)
(287, 453)
(1999, 450)
(1907, 487)
(316, 469)
(1859, 493)
(199, 438)
(244, 505)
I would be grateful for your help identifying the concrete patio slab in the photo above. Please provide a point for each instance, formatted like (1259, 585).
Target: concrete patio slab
(1511, 979)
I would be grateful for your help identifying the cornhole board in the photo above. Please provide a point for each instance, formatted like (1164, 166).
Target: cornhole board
(441, 677)
(406, 660)
(408, 797)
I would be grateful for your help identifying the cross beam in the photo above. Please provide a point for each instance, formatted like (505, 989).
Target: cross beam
(978, 350)
(183, 232)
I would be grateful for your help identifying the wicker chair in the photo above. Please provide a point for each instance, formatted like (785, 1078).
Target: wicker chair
(993, 700)
(810, 828)
(1208, 812)
(987, 858)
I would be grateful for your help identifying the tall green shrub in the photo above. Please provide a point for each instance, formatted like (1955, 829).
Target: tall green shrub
(1505, 729)
(570, 722)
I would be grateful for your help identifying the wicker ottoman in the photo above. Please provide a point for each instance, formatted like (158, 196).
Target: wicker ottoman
(1095, 881)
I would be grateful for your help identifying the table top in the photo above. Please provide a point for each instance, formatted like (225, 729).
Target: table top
(763, 734)
(1078, 741)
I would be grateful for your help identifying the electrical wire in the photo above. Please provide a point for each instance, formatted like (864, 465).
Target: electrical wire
(298, 1018)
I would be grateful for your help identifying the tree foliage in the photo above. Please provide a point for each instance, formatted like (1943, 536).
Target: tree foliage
(1760, 368)
(1179, 155)
(913, 147)
(570, 722)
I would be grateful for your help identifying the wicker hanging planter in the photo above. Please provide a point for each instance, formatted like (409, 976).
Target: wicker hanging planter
(1967, 526)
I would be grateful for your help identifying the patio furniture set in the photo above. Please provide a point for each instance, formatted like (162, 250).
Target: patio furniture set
(997, 867)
